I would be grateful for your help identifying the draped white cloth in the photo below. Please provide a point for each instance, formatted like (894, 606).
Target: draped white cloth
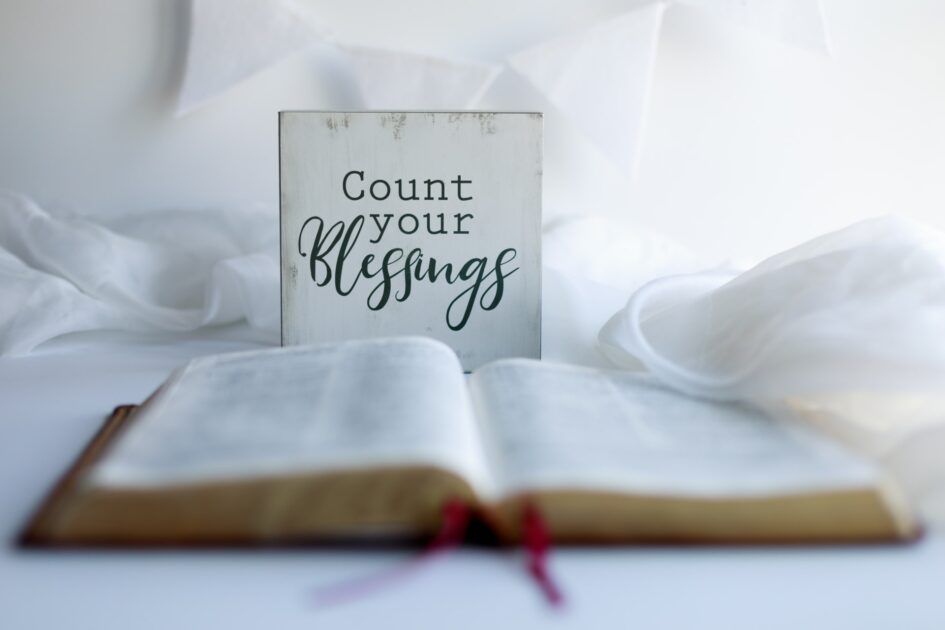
(165, 270)
(597, 78)
(179, 270)
(862, 308)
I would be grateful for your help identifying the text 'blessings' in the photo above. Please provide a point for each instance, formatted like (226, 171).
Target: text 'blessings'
(481, 279)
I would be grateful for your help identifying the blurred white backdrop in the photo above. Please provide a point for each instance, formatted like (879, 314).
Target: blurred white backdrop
(751, 146)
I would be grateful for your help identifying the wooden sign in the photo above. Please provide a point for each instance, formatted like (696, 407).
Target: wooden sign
(398, 223)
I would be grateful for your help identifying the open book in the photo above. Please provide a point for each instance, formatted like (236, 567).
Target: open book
(371, 438)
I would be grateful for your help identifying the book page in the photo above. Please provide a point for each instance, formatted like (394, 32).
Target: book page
(561, 427)
(284, 411)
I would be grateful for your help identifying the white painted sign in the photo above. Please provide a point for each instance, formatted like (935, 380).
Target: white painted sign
(424, 223)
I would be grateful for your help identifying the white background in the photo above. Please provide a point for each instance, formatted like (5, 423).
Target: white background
(751, 146)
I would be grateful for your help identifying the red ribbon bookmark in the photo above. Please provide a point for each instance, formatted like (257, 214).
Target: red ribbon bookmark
(537, 543)
(456, 517)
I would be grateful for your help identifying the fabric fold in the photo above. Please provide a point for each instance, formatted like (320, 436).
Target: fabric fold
(391, 79)
(861, 308)
(173, 271)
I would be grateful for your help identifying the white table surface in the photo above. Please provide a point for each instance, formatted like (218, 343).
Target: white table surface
(52, 401)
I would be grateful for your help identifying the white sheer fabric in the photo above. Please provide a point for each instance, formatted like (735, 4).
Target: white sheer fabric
(167, 270)
(860, 308)
(180, 270)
